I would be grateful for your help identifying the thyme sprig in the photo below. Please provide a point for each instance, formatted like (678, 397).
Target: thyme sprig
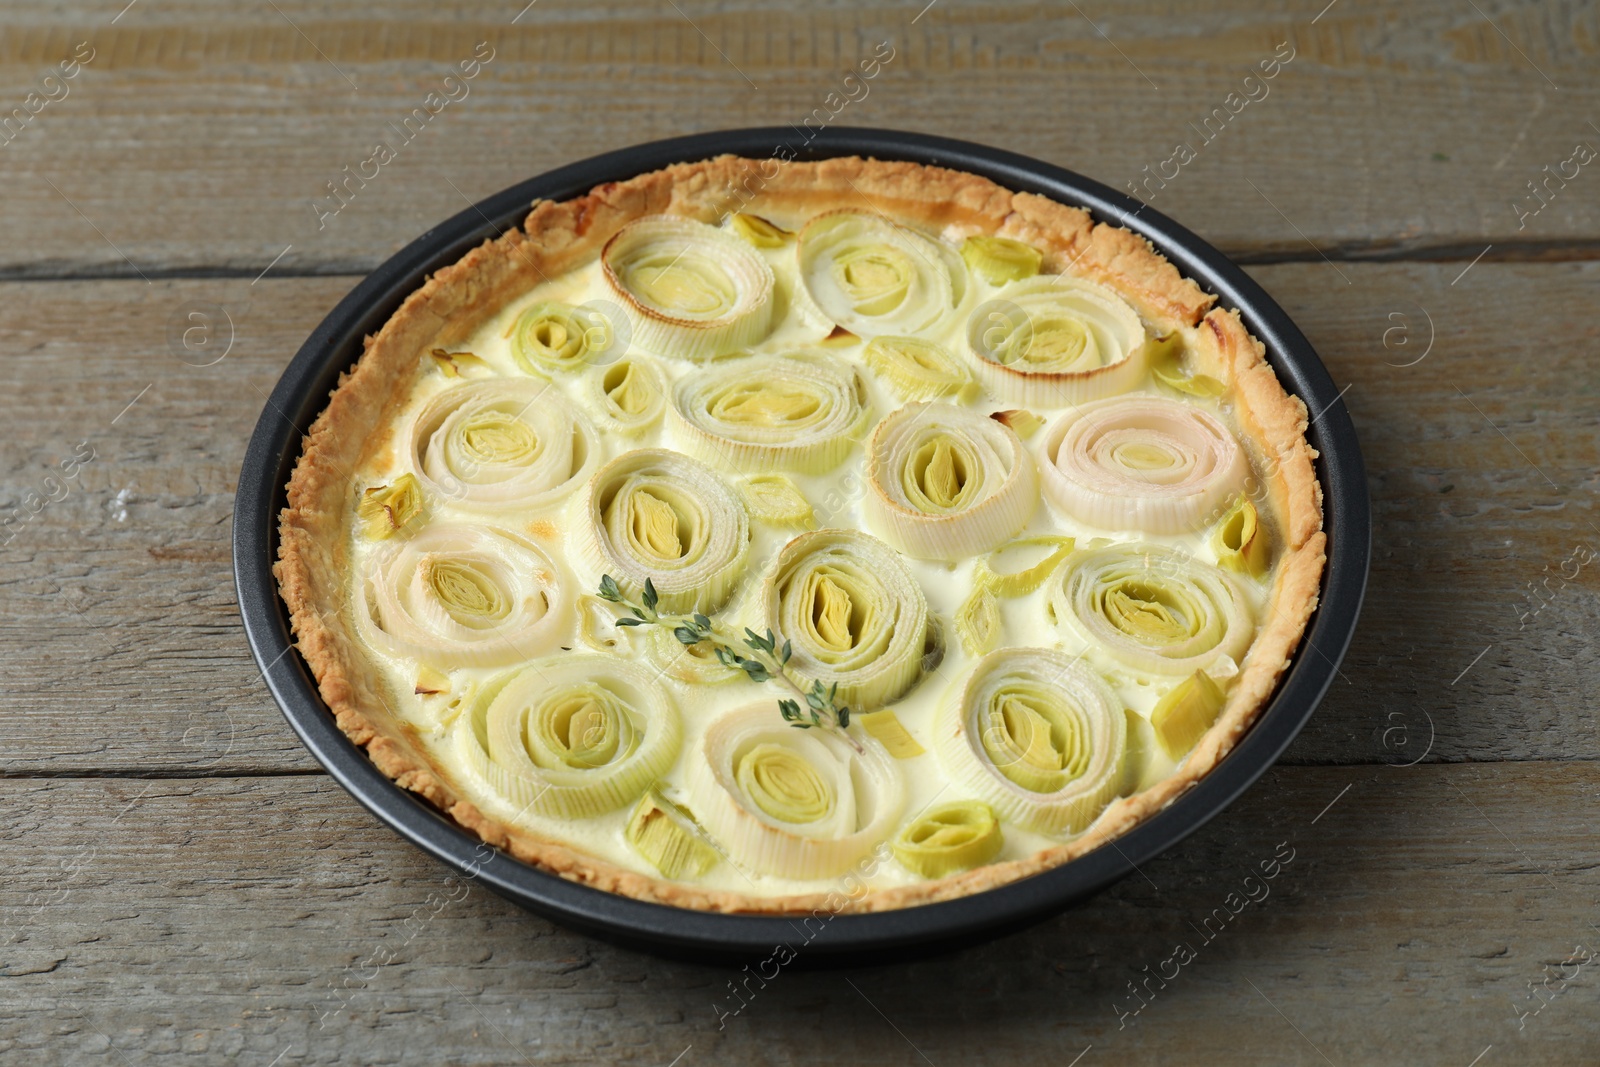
(761, 659)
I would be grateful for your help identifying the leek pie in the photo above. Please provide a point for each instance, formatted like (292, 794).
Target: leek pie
(752, 527)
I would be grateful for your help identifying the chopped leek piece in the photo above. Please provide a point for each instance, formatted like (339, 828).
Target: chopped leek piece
(1184, 715)
(385, 510)
(1240, 542)
(666, 835)
(1166, 365)
(952, 837)
(998, 260)
(758, 231)
(775, 500)
(891, 733)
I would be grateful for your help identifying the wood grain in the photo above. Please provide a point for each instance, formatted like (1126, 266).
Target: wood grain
(1389, 132)
(244, 919)
(184, 885)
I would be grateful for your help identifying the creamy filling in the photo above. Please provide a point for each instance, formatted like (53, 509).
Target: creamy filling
(836, 498)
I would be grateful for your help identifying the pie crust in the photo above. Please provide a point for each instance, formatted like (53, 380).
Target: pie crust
(359, 420)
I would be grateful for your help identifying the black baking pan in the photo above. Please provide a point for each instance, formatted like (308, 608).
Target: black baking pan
(336, 343)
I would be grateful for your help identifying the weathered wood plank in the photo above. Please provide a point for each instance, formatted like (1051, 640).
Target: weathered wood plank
(1482, 462)
(243, 920)
(223, 126)
(116, 603)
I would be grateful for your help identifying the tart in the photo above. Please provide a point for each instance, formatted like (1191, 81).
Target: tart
(754, 529)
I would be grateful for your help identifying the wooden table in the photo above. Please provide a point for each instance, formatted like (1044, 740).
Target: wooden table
(184, 884)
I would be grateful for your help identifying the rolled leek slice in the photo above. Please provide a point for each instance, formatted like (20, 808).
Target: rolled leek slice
(793, 803)
(630, 395)
(1036, 734)
(873, 276)
(917, 369)
(654, 513)
(956, 836)
(385, 510)
(1186, 712)
(775, 500)
(550, 337)
(998, 260)
(1057, 340)
(499, 445)
(1152, 608)
(463, 596)
(1240, 542)
(667, 836)
(853, 612)
(690, 291)
(947, 483)
(570, 738)
(1142, 462)
(765, 413)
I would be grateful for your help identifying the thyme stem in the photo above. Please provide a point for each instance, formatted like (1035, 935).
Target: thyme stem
(761, 659)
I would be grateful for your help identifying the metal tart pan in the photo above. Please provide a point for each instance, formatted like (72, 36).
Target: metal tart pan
(337, 342)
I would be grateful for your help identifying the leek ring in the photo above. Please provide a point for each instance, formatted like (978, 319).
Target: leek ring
(947, 483)
(1038, 736)
(793, 803)
(657, 514)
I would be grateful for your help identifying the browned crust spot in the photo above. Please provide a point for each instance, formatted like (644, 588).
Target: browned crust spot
(556, 237)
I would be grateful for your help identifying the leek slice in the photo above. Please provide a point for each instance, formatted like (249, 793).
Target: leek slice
(385, 510)
(1142, 462)
(1057, 340)
(597, 627)
(763, 413)
(947, 483)
(630, 395)
(775, 500)
(461, 596)
(873, 276)
(978, 619)
(1186, 712)
(657, 514)
(502, 445)
(457, 364)
(551, 337)
(793, 803)
(1024, 422)
(988, 571)
(1036, 734)
(952, 837)
(667, 836)
(1166, 366)
(570, 738)
(690, 291)
(854, 614)
(998, 260)
(760, 232)
(696, 664)
(1153, 608)
(886, 726)
(917, 369)
(1240, 542)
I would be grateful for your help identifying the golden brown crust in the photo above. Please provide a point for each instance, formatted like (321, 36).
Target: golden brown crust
(556, 237)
